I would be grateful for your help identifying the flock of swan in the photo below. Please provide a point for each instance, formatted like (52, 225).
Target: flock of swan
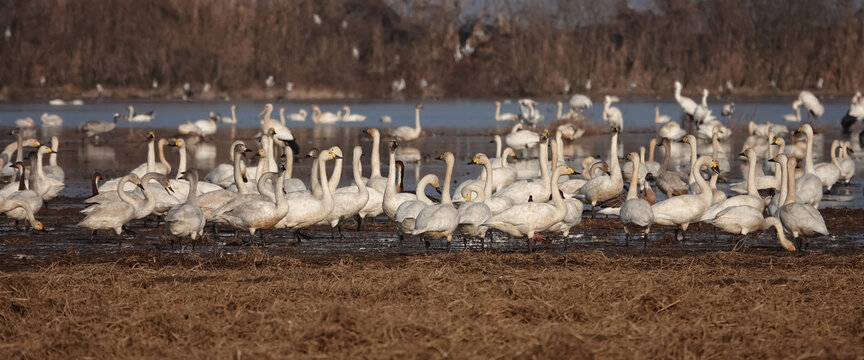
(776, 194)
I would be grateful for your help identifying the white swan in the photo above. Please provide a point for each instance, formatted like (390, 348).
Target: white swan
(113, 217)
(809, 185)
(308, 210)
(280, 132)
(580, 103)
(529, 218)
(520, 191)
(7, 205)
(298, 116)
(407, 133)
(211, 201)
(612, 115)
(636, 214)
(348, 201)
(781, 237)
(223, 174)
(324, 118)
(687, 104)
(10, 173)
(257, 214)
(569, 116)
(24, 123)
(233, 118)
(801, 220)
(30, 197)
(393, 199)
(440, 220)
(94, 128)
(847, 164)
(505, 116)
(202, 127)
(347, 116)
(45, 186)
(473, 213)
(604, 187)
(682, 210)
(660, 119)
(751, 198)
(407, 212)
(133, 117)
(187, 219)
(52, 170)
(528, 112)
(702, 114)
(814, 107)
(627, 169)
(672, 131)
(51, 120)
(738, 220)
(521, 139)
(496, 204)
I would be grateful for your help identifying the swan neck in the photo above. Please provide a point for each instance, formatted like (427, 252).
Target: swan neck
(417, 119)
(751, 176)
(94, 185)
(193, 190)
(162, 155)
(667, 147)
(784, 182)
(544, 160)
(336, 176)
(22, 185)
(40, 173)
(497, 146)
(560, 206)
(20, 141)
(420, 193)
(651, 146)
(313, 181)
(634, 181)
(357, 166)
(238, 173)
(322, 173)
(445, 191)
(707, 194)
(554, 144)
(487, 186)
(808, 157)
(151, 155)
(122, 194)
(391, 174)
(181, 167)
(834, 147)
(790, 184)
(613, 162)
(693, 157)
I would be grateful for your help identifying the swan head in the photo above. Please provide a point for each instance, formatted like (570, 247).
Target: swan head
(191, 175)
(151, 135)
(678, 85)
(315, 109)
(715, 166)
(497, 103)
(179, 143)
(18, 165)
(37, 225)
(96, 176)
(267, 108)
(633, 156)
(393, 145)
(233, 108)
(418, 106)
(480, 158)
(335, 152)
(615, 129)
(370, 131)
(544, 135)
(804, 129)
(271, 131)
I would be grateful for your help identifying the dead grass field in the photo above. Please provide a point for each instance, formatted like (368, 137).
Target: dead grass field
(463, 305)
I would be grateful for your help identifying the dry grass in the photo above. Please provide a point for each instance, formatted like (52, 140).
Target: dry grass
(467, 305)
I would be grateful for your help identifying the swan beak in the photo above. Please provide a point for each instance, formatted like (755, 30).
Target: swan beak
(247, 150)
(715, 166)
(140, 186)
(38, 143)
(151, 135)
(438, 189)
(243, 177)
(40, 227)
(12, 166)
(799, 130)
(850, 151)
(49, 150)
(571, 170)
(683, 140)
(468, 197)
(393, 145)
(615, 129)
(262, 112)
(170, 189)
(777, 141)
(774, 159)
(471, 163)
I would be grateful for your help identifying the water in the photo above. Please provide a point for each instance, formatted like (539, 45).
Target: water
(462, 127)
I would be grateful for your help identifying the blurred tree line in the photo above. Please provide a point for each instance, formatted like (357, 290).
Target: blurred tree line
(443, 48)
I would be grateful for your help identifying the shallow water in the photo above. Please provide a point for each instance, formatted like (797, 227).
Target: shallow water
(464, 128)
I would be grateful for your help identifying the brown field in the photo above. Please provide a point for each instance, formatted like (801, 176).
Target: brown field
(446, 305)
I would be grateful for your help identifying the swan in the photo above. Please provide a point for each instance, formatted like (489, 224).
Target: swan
(437, 221)
(143, 206)
(162, 167)
(211, 201)
(182, 187)
(281, 133)
(10, 173)
(520, 191)
(781, 237)
(650, 165)
(505, 116)
(347, 116)
(257, 214)
(796, 117)
(308, 210)
(496, 204)
(298, 116)
(855, 113)
(94, 128)
(669, 182)
(115, 216)
(47, 187)
(521, 139)
(627, 169)
(763, 182)
(474, 213)
(814, 107)
(407, 133)
(580, 103)
(612, 115)
(636, 213)
(223, 174)
(569, 116)
(502, 176)
(709, 128)
(233, 118)
(393, 199)
(728, 109)
(51, 120)
(801, 220)
(528, 112)
(407, 212)
(570, 186)
(202, 128)
(738, 220)
(751, 198)
(682, 210)
(571, 219)
(53, 170)
(847, 164)
(187, 219)
(376, 181)
(133, 117)
(660, 119)
(527, 219)
(30, 197)
(604, 187)
(7, 205)
(829, 173)
(702, 114)
(324, 118)
(672, 131)
(809, 185)
(348, 201)
(24, 123)
(687, 104)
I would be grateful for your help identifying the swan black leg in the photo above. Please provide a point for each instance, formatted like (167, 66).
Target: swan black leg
(359, 223)
(644, 239)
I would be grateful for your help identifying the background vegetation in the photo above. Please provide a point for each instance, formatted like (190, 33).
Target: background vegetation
(519, 47)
